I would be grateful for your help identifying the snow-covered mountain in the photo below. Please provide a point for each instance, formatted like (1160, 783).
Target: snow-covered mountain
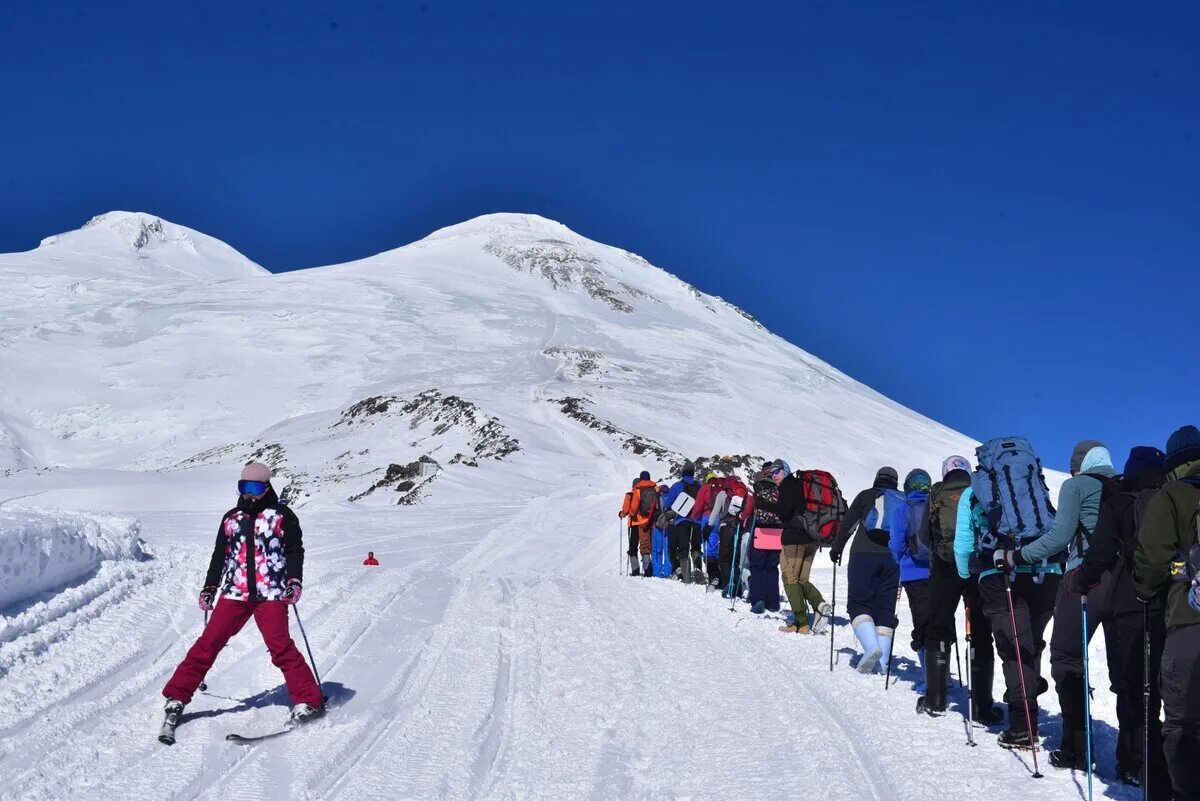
(135, 343)
(471, 408)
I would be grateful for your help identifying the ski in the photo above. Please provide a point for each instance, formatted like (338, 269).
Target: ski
(244, 739)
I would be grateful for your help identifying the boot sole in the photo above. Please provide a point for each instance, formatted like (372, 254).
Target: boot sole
(869, 662)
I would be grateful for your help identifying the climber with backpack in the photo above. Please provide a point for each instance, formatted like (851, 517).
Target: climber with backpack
(640, 509)
(874, 576)
(1167, 569)
(766, 540)
(726, 507)
(679, 506)
(1093, 480)
(946, 590)
(909, 544)
(660, 545)
(1006, 508)
(1109, 559)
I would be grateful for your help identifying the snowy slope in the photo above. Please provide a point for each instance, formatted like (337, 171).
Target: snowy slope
(470, 407)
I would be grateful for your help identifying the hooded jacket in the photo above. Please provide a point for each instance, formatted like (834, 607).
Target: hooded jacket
(1078, 503)
(677, 489)
(261, 533)
(868, 540)
(1168, 532)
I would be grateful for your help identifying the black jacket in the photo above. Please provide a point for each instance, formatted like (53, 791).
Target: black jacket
(1114, 540)
(782, 505)
(869, 540)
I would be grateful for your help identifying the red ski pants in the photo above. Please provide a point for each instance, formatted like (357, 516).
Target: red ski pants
(227, 620)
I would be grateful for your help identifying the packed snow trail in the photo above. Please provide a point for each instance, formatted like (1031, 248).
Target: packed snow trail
(472, 665)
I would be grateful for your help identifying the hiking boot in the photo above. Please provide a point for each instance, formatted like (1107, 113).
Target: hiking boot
(937, 676)
(989, 715)
(1014, 740)
(1131, 776)
(759, 607)
(647, 567)
(925, 707)
(1068, 760)
(794, 629)
(822, 618)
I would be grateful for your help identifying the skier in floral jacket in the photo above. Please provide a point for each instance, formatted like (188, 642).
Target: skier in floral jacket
(257, 567)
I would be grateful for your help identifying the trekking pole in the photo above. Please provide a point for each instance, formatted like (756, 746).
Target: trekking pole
(311, 661)
(970, 690)
(887, 673)
(204, 685)
(620, 548)
(832, 612)
(958, 663)
(1012, 615)
(733, 565)
(1087, 693)
(1146, 702)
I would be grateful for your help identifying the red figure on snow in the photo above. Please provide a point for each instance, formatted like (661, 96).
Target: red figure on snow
(370, 560)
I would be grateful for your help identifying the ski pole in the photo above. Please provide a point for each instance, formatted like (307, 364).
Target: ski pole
(832, 613)
(1146, 702)
(311, 661)
(204, 685)
(1087, 693)
(970, 688)
(1012, 615)
(620, 548)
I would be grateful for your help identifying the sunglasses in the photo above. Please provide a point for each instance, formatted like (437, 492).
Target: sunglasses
(252, 487)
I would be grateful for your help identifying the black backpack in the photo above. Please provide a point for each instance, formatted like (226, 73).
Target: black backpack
(1109, 487)
(943, 517)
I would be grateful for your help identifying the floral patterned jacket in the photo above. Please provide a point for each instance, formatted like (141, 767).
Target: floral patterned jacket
(259, 548)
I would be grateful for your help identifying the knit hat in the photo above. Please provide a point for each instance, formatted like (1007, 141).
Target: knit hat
(953, 463)
(1144, 458)
(711, 475)
(663, 489)
(256, 471)
(888, 475)
(1081, 450)
(917, 481)
(688, 470)
(644, 475)
(1183, 447)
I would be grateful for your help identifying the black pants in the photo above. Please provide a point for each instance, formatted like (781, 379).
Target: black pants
(764, 578)
(918, 605)
(727, 558)
(633, 541)
(685, 539)
(1125, 641)
(1066, 654)
(946, 589)
(1180, 682)
(1033, 606)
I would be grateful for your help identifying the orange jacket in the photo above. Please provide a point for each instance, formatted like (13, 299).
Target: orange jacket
(630, 506)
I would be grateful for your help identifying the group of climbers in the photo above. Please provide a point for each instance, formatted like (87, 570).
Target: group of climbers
(1120, 551)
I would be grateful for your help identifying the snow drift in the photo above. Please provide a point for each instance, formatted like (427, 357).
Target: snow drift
(41, 551)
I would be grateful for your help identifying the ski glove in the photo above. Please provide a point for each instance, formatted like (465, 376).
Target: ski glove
(835, 556)
(1077, 584)
(1006, 561)
(291, 592)
(206, 598)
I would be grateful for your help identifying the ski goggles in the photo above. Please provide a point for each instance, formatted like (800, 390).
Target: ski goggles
(252, 487)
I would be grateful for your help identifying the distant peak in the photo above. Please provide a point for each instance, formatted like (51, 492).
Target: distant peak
(506, 223)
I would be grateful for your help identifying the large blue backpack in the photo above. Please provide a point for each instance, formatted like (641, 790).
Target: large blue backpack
(880, 515)
(1012, 494)
(916, 536)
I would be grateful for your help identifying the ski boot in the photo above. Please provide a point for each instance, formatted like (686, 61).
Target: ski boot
(303, 713)
(1015, 740)
(172, 712)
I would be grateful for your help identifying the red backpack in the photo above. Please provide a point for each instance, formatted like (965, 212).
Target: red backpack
(824, 506)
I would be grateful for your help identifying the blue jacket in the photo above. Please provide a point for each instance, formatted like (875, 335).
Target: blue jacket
(677, 488)
(970, 520)
(910, 568)
(1078, 502)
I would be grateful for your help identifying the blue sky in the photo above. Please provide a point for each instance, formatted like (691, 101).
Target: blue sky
(990, 213)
